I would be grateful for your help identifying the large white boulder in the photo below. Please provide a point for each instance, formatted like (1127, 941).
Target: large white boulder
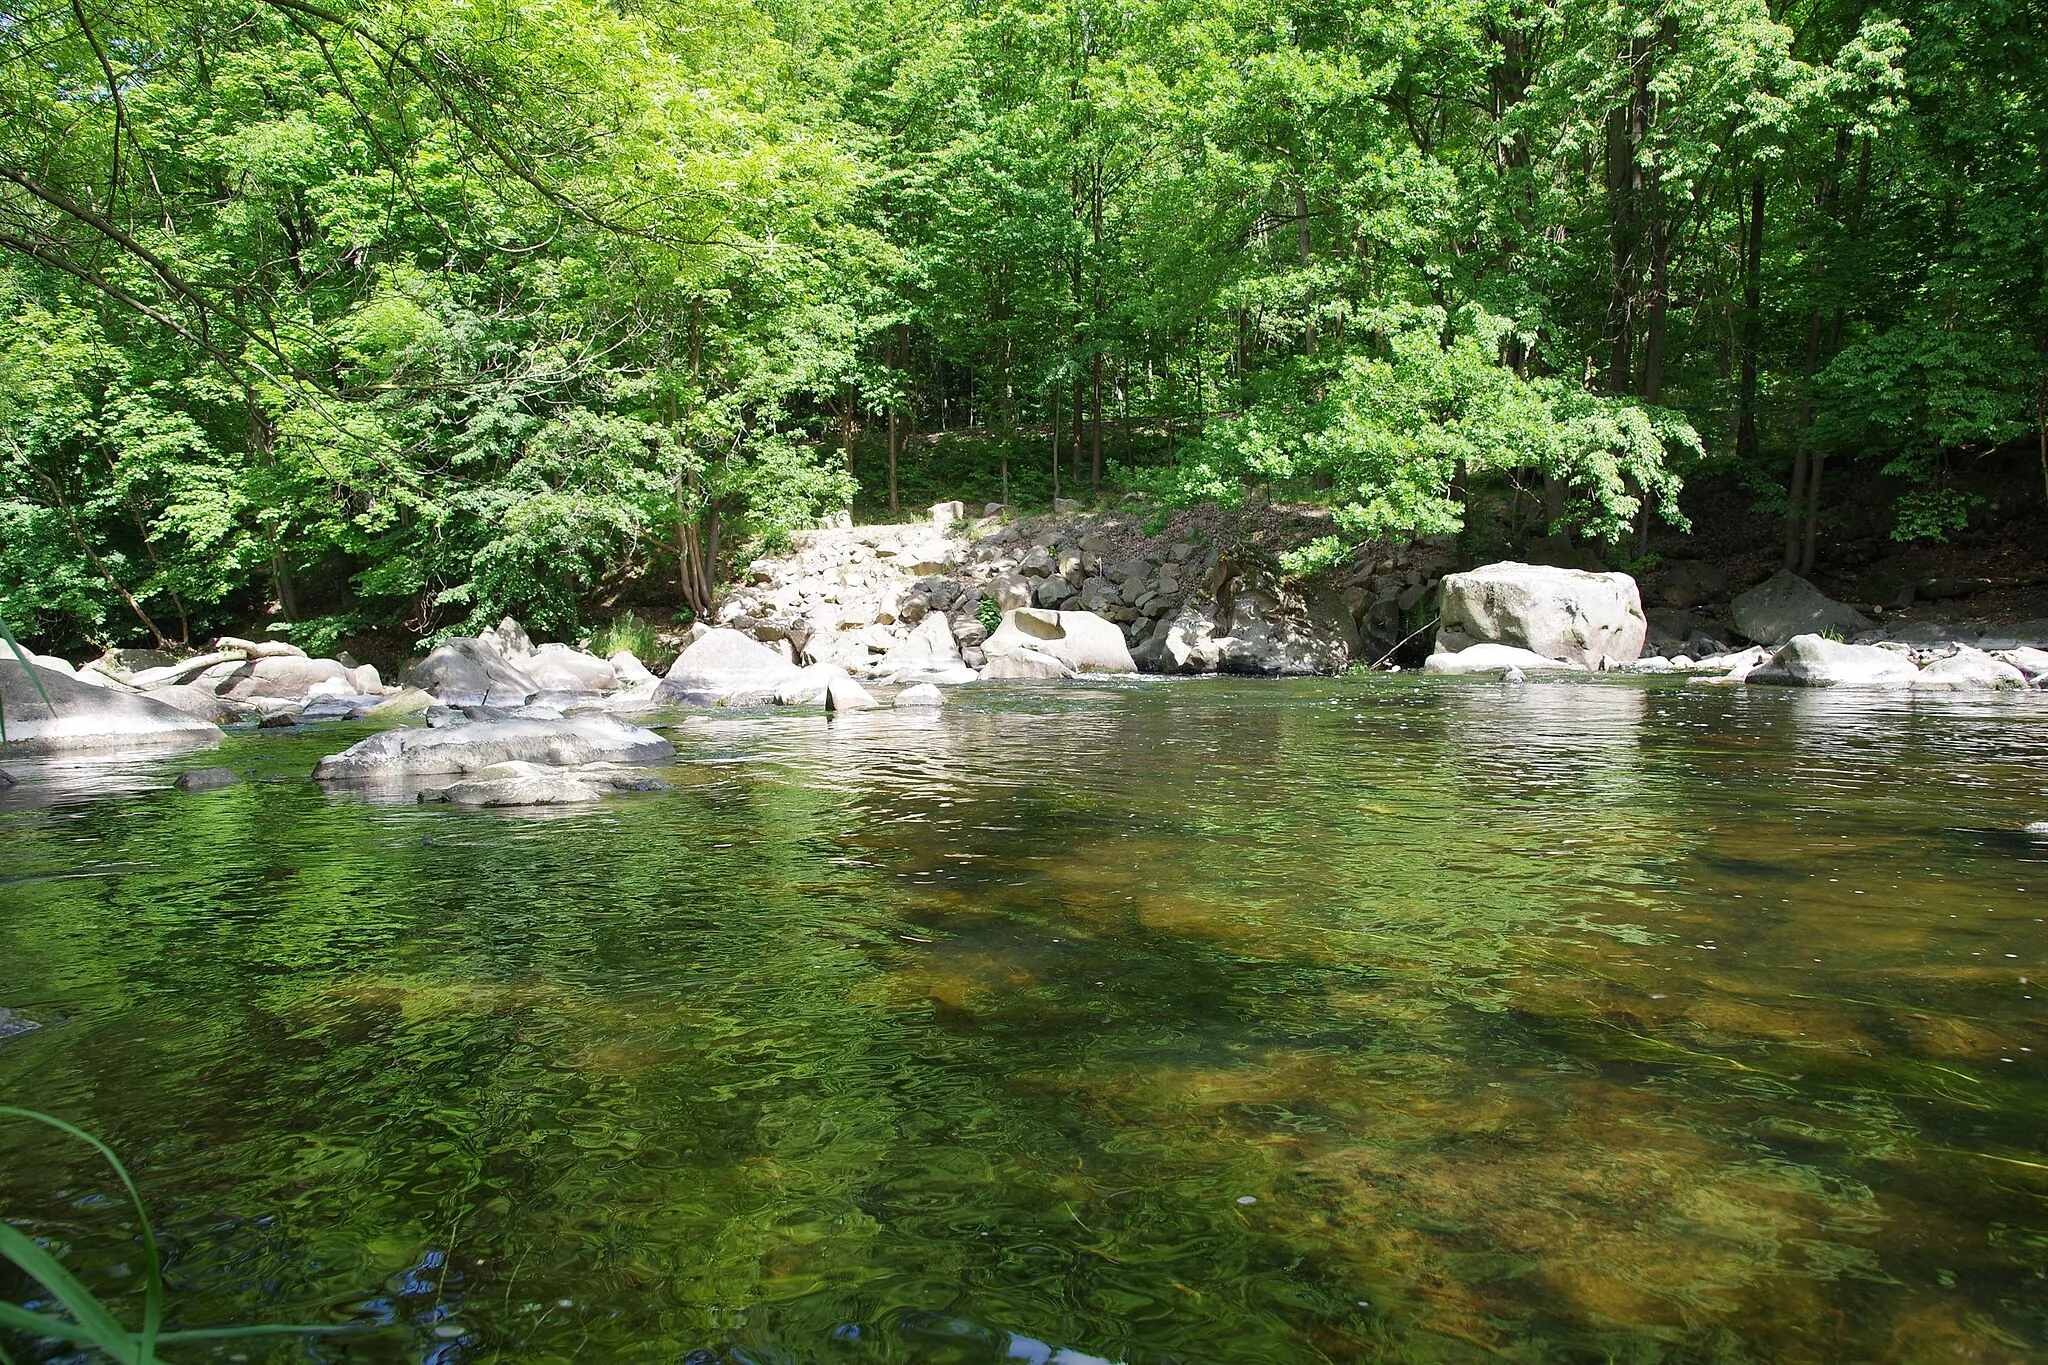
(1083, 641)
(1969, 670)
(1569, 614)
(563, 668)
(78, 715)
(724, 665)
(1785, 605)
(566, 743)
(1475, 660)
(286, 676)
(1815, 661)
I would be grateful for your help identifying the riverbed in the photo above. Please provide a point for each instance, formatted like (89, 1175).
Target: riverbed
(1379, 1018)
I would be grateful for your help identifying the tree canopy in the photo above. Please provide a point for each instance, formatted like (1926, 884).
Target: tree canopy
(396, 312)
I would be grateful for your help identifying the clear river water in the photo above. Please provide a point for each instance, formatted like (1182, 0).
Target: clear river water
(1370, 1019)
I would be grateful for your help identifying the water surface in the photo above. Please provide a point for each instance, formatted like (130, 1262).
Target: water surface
(1196, 1021)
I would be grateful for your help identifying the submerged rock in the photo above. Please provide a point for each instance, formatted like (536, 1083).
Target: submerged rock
(1785, 605)
(13, 1025)
(79, 715)
(533, 784)
(468, 748)
(205, 779)
(1569, 614)
(1813, 661)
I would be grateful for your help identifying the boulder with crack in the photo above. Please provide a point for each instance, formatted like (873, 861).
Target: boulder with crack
(1570, 614)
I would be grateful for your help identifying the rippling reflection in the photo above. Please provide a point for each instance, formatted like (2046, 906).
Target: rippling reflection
(1136, 1021)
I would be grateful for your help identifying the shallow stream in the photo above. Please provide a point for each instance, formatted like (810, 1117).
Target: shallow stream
(1198, 1021)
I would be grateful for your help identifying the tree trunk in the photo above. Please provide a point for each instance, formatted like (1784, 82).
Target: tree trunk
(1095, 435)
(1752, 322)
(1795, 491)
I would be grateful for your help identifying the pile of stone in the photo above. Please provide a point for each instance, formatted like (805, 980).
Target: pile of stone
(896, 604)
(503, 669)
(516, 761)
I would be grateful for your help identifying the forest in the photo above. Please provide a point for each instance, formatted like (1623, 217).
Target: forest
(403, 314)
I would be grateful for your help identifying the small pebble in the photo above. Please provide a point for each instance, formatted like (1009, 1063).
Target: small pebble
(1247, 1199)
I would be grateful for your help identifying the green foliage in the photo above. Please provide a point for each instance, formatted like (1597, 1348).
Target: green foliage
(632, 633)
(989, 614)
(91, 1324)
(423, 313)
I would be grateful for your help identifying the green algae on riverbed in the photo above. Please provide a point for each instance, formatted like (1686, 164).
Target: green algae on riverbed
(1206, 1021)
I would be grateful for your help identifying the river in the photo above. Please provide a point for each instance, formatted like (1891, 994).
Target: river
(1379, 1018)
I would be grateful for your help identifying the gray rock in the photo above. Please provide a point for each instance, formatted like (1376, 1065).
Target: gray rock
(1024, 664)
(944, 514)
(1814, 661)
(205, 779)
(559, 668)
(1054, 592)
(727, 666)
(1785, 605)
(6, 780)
(921, 696)
(2030, 661)
(465, 671)
(844, 694)
(13, 1025)
(567, 743)
(1083, 641)
(200, 702)
(289, 677)
(81, 716)
(930, 655)
(1569, 614)
(1969, 670)
(1475, 660)
(510, 638)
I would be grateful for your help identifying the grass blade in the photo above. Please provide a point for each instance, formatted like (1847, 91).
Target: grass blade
(152, 1264)
(98, 1325)
(42, 1325)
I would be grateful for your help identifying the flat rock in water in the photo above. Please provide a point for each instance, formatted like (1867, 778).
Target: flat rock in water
(568, 743)
(1024, 665)
(1969, 670)
(80, 716)
(1814, 661)
(205, 779)
(1785, 605)
(1477, 660)
(923, 696)
(1568, 614)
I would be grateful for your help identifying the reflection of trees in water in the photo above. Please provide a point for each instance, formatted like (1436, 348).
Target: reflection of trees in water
(1076, 974)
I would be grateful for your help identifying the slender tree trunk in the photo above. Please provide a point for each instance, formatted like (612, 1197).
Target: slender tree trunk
(1095, 436)
(1080, 421)
(1058, 397)
(1752, 322)
(1795, 493)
